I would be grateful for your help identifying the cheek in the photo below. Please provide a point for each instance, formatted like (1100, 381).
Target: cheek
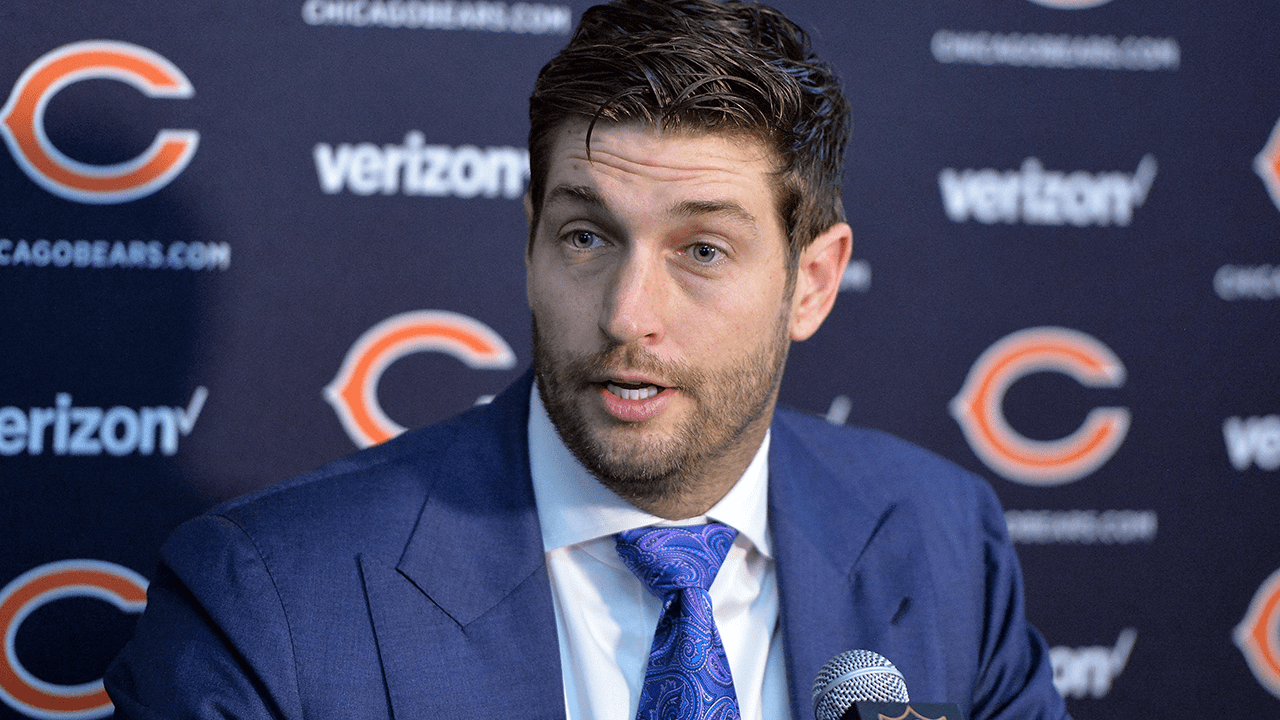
(545, 289)
(750, 322)
(746, 310)
(561, 311)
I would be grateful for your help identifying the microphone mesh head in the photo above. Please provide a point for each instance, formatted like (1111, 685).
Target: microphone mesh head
(856, 676)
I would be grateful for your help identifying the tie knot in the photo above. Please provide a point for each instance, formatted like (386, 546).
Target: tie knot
(668, 559)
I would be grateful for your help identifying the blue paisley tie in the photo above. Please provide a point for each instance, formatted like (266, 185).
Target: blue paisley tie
(688, 675)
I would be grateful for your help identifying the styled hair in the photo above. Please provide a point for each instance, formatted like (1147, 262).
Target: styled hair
(704, 66)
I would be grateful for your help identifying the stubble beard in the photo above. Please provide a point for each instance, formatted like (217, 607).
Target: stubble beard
(729, 401)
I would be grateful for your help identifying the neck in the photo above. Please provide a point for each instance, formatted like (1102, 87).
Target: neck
(693, 489)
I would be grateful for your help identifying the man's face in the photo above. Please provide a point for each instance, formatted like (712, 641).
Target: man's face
(657, 276)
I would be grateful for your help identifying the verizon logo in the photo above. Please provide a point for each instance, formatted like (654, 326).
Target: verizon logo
(1036, 196)
(1253, 441)
(416, 168)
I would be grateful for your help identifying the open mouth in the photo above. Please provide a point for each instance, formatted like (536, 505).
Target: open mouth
(633, 391)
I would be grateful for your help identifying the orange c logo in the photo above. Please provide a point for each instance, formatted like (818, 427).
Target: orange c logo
(23, 691)
(354, 392)
(978, 408)
(1267, 164)
(1258, 635)
(22, 123)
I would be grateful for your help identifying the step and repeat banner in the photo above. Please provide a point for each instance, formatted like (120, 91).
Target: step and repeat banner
(241, 239)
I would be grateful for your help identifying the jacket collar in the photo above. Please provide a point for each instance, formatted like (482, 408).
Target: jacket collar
(824, 522)
(482, 495)
(465, 623)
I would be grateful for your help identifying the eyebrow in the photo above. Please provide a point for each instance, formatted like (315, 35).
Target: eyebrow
(725, 208)
(576, 193)
(585, 195)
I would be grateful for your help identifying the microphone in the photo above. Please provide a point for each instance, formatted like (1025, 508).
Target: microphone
(863, 685)
(856, 676)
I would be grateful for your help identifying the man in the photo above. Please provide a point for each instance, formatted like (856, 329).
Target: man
(685, 227)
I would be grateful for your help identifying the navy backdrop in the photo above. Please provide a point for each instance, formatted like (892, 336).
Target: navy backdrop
(1066, 277)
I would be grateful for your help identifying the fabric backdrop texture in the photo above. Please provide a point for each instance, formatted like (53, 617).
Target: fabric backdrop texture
(241, 239)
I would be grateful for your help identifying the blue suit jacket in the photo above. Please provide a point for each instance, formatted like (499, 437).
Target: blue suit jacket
(409, 580)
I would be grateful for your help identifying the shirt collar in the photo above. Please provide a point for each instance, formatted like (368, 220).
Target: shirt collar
(573, 507)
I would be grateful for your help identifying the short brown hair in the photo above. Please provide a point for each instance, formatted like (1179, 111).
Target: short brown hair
(704, 65)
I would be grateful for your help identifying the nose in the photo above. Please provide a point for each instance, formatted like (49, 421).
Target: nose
(634, 301)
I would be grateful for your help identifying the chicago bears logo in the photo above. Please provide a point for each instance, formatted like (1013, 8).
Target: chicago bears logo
(1070, 4)
(1267, 164)
(22, 123)
(978, 408)
(21, 690)
(1258, 635)
(354, 392)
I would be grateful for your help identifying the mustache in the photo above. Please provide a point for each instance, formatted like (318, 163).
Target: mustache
(634, 358)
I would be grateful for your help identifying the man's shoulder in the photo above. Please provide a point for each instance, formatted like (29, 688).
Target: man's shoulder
(878, 470)
(375, 495)
(867, 454)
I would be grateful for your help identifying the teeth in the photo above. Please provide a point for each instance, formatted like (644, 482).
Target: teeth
(640, 393)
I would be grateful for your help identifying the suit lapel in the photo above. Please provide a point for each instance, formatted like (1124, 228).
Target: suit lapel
(824, 535)
(465, 621)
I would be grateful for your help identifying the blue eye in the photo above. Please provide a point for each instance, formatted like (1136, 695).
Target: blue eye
(582, 239)
(704, 253)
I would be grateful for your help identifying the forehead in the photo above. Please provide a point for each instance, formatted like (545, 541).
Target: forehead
(629, 156)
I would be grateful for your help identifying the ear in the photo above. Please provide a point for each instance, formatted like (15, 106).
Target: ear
(818, 276)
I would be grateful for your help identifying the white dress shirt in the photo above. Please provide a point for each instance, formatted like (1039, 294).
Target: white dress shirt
(605, 617)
